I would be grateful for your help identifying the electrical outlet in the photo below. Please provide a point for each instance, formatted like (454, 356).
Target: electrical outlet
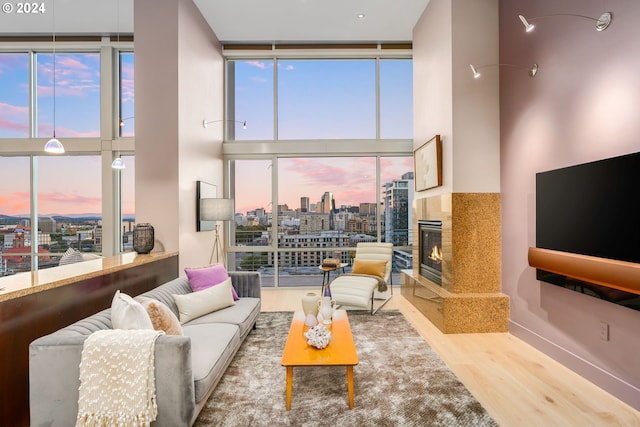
(604, 331)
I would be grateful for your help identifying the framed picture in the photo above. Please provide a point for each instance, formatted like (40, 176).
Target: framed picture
(427, 163)
(204, 190)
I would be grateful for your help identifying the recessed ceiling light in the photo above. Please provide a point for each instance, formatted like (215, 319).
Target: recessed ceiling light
(361, 15)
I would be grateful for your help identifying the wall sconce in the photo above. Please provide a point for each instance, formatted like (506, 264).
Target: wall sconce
(217, 210)
(54, 146)
(601, 23)
(205, 123)
(121, 122)
(532, 70)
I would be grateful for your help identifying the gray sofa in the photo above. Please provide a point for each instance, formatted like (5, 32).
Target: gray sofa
(187, 368)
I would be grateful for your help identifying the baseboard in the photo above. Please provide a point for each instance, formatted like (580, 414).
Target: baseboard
(613, 385)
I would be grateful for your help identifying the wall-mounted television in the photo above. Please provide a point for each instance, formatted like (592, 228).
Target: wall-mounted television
(591, 209)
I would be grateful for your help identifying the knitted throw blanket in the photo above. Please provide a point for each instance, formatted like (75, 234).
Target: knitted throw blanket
(117, 379)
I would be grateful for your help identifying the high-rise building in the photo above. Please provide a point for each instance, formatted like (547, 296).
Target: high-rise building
(397, 196)
(328, 203)
(304, 204)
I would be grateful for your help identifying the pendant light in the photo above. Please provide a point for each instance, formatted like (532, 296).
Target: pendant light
(54, 146)
(118, 163)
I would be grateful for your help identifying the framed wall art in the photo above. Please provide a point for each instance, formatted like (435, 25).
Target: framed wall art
(427, 163)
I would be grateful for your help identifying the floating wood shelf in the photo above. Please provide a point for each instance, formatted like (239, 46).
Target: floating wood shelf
(621, 275)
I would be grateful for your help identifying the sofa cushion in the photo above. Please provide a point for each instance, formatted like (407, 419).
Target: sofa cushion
(212, 348)
(209, 300)
(243, 314)
(206, 277)
(126, 313)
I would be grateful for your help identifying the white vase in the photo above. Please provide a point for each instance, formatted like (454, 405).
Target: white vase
(310, 320)
(327, 306)
(310, 303)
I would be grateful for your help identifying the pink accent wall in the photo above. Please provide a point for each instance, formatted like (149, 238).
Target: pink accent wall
(583, 105)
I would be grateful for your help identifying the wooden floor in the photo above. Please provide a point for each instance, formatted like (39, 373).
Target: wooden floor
(518, 385)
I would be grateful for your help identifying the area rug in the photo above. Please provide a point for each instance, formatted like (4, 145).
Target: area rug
(400, 381)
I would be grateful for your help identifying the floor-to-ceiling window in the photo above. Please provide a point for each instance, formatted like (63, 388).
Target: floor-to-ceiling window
(50, 203)
(325, 161)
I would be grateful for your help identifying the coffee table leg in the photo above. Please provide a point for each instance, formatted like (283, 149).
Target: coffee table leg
(350, 385)
(289, 386)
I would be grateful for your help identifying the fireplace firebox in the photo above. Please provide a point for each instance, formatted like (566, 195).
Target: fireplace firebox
(430, 250)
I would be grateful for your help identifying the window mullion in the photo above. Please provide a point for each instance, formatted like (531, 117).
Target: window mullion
(33, 105)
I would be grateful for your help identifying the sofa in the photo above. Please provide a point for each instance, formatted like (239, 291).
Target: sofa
(187, 367)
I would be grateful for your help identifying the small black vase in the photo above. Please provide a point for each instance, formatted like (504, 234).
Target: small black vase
(143, 239)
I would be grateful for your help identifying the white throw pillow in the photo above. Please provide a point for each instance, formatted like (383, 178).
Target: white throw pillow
(199, 303)
(126, 313)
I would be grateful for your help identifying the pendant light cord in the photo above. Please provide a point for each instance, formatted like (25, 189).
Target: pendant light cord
(54, 68)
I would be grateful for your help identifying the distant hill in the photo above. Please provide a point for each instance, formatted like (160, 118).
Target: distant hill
(72, 219)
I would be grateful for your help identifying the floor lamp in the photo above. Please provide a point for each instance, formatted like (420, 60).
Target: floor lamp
(217, 210)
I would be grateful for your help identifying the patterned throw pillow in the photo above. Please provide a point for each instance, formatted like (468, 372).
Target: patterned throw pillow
(162, 318)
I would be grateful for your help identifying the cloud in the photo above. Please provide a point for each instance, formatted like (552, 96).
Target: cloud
(47, 129)
(67, 203)
(22, 128)
(257, 64)
(15, 203)
(352, 180)
(76, 75)
(15, 118)
(13, 110)
(287, 67)
(127, 90)
(14, 61)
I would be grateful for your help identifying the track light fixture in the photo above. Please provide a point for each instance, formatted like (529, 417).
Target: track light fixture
(205, 123)
(602, 22)
(532, 70)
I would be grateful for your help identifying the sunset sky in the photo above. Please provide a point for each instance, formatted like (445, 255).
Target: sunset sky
(332, 99)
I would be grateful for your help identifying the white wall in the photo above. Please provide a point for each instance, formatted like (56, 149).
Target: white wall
(449, 36)
(181, 61)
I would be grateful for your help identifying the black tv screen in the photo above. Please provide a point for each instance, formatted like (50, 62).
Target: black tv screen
(591, 209)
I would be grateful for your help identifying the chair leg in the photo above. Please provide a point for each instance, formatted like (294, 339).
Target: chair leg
(383, 302)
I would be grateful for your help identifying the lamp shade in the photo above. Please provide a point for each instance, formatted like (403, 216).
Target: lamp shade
(54, 146)
(217, 210)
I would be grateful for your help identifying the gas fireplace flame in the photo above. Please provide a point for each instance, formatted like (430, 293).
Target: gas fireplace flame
(436, 254)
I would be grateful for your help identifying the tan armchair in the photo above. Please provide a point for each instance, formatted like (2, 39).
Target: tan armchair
(371, 272)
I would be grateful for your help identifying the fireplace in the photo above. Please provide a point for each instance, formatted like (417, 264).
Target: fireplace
(430, 250)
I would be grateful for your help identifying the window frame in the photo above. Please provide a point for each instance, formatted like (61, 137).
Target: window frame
(107, 145)
(275, 148)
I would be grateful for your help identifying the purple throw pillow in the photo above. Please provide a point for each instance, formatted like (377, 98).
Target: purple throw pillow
(206, 277)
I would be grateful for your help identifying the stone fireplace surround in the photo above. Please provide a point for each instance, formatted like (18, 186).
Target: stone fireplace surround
(469, 300)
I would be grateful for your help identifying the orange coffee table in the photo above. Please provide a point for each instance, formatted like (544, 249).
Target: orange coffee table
(341, 350)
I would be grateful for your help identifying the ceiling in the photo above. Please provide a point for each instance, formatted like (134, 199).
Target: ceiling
(276, 21)
(238, 21)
